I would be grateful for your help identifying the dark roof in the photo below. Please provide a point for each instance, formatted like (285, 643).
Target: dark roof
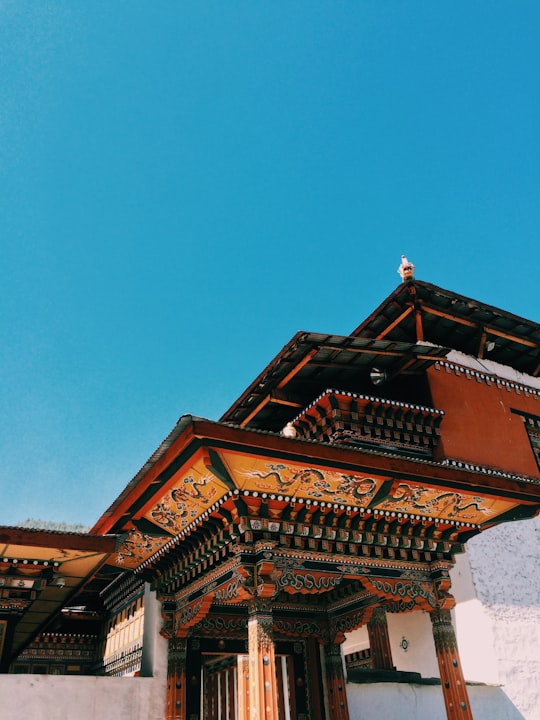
(312, 362)
(416, 324)
(455, 321)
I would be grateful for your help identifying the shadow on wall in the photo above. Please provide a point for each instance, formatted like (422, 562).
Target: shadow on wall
(509, 552)
(504, 563)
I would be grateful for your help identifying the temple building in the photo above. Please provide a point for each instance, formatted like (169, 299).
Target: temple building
(305, 557)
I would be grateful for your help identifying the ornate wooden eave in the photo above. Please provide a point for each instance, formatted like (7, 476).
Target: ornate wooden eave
(40, 573)
(212, 450)
(224, 515)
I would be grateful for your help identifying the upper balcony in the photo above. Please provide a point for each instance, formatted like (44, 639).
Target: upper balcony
(371, 422)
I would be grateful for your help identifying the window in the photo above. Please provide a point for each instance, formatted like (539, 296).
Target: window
(532, 426)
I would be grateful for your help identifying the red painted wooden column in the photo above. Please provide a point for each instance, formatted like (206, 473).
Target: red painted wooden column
(379, 641)
(454, 689)
(244, 709)
(262, 662)
(176, 679)
(335, 681)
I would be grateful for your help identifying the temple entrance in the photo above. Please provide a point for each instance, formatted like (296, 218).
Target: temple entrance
(225, 685)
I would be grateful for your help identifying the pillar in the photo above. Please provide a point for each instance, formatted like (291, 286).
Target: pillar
(262, 662)
(379, 641)
(335, 682)
(176, 679)
(244, 710)
(456, 698)
(155, 645)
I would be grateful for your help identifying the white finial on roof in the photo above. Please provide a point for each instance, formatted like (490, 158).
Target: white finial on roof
(406, 269)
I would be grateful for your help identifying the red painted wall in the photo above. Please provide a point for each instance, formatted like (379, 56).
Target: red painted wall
(478, 426)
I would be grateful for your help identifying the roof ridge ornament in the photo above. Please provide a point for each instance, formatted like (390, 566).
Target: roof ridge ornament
(406, 269)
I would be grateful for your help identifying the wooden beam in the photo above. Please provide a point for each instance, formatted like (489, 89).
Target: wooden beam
(513, 338)
(488, 329)
(449, 316)
(255, 410)
(410, 360)
(396, 322)
(58, 540)
(365, 351)
(295, 370)
(419, 325)
(402, 367)
(482, 345)
(281, 398)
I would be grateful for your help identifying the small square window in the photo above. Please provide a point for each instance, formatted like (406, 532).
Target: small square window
(532, 426)
(534, 437)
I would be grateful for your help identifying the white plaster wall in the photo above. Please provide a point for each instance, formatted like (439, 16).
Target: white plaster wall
(505, 568)
(395, 701)
(474, 628)
(476, 644)
(415, 627)
(155, 647)
(356, 640)
(420, 654)
(63, 697)
(55, 697)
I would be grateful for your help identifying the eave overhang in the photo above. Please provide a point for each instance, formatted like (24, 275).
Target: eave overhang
(40, 573)
(208, 469)
(417, 311)
(312, 362)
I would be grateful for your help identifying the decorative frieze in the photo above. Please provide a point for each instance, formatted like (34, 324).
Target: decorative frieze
(340, 417)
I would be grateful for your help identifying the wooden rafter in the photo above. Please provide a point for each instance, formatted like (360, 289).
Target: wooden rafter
(482, 345)
(364, 351)
(396, 322)
(281, 398)
(408, 360)
(256, 410)
(267, 398)
(296, 369)
(419, 325)
(487, 329)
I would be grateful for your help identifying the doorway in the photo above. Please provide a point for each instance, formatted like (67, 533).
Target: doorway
(225, 687)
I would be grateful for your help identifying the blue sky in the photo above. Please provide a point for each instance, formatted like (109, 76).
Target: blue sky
(184, 185)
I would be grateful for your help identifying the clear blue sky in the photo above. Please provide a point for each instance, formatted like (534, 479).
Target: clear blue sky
(184, 185)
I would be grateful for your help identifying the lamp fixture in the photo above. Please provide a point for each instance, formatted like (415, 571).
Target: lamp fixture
(378, 376)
